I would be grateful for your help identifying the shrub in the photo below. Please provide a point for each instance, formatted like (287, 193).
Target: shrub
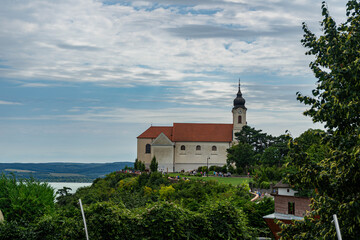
(226, 221)
(166, 192)
(265, 185)
(25, 199)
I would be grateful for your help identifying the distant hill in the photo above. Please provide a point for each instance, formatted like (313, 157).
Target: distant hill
(58, 171)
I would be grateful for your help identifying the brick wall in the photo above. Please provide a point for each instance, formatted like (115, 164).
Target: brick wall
(301, 204)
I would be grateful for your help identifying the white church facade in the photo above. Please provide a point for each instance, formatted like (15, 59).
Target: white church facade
(186, 146)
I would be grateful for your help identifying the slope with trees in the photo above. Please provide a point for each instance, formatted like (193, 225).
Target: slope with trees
(148, 206)
(260, 154)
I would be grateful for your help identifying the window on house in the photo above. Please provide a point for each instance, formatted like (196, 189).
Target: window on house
(148, 148)
(198, 148)
(214, 148)
(288, 190)
(291, 208)
(239, 119)
(182, 148)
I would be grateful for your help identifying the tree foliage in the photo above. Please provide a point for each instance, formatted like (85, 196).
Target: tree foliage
(336, 103)
(138, 165)
(154, 165)
(25, 199)
(257, 148)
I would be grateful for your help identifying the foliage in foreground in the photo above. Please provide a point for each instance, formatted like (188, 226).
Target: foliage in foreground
(25, 199)
(148, 206)
(335, 102)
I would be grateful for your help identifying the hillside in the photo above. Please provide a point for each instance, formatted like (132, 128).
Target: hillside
(62, 172)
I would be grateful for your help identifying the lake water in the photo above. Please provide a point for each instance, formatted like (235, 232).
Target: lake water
(73, 185)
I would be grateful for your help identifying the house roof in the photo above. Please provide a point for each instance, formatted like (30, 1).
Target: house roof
(193, 132)
(281, 216)
(281, 185)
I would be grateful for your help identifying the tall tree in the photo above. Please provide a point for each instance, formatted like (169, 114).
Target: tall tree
(242, 155)
(153, 165)
(336, 103)
(255, 138)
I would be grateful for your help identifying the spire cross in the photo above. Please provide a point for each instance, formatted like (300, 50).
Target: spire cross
(239, 84)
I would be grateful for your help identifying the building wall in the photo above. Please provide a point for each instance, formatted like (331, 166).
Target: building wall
(190, 158)
(164, 156)
(301, 205)
(187, 160)
(141, 155)
(238, 126)
(286, 191)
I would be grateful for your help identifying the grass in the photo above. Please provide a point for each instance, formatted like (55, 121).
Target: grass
(226, 180)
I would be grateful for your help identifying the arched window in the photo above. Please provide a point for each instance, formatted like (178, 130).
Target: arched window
(148, 148)
(182, 148)
(239, 119)
(198, 148)
(214, 148)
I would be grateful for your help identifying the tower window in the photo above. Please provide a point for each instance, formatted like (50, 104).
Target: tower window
(214, 148)
(148, 148)
(239, 119)
(182, 148)
(198, 148)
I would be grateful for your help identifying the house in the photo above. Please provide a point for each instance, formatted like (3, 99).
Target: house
(288, 207)
(186, 146)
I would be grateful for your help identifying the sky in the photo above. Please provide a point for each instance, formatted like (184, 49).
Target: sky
(80, 80)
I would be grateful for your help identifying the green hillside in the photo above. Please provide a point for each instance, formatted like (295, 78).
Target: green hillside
(62, 172)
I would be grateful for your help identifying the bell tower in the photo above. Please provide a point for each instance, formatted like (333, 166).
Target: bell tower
(239, 113)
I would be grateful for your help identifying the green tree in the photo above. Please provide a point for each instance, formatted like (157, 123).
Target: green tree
(226, 221)
(136, 164)
(242, 154)
(141, 166)
(271, 157)
(26, 199)
(153, 165)
(336, 103)
(258, 140)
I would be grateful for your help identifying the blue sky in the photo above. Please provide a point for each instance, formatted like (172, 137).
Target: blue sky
(80, 80)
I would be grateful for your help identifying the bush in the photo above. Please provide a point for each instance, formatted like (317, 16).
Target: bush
(166, 192)
(265, 185)
(26, 199)
(164, 220)
(226, 221)
(231, 169)
(202, 169)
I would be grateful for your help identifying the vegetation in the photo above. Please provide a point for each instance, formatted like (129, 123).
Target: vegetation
(224, 180)
(147, 206)
(334, 173)
(61, 172)
(138, 165)
(260, 154)
(154, 165)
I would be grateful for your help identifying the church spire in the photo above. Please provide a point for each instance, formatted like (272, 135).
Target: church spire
(239, 101)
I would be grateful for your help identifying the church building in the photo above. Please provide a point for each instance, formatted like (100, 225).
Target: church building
(186, 146)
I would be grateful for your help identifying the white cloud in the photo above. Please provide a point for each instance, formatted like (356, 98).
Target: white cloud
(86, 41)
(9, 103)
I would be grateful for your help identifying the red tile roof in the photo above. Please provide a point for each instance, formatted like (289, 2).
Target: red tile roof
(193, 132)
(153, 132)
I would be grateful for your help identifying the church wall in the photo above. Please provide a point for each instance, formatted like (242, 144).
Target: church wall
(190, 158)
(141, 155)
(164, 156)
